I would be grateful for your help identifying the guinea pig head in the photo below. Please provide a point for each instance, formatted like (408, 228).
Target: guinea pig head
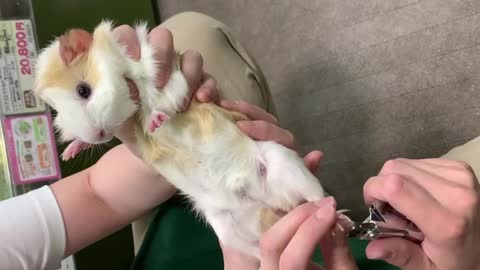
(82, 76)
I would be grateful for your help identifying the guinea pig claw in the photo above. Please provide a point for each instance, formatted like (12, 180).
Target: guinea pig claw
(185, 103)
(156, 120)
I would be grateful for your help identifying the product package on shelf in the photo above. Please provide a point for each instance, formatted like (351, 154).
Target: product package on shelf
(31, 149)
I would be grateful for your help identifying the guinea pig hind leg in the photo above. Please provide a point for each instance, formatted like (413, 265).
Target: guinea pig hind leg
(286, 175)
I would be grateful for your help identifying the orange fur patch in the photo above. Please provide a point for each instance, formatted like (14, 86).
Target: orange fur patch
(205, 120)
(269, 216)
(57, 75)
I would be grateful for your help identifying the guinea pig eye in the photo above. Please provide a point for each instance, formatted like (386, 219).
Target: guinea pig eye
(84, 90)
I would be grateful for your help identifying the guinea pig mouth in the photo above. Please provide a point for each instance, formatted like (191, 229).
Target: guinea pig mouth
(133, 89)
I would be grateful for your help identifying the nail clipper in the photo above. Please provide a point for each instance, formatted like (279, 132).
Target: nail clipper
(383, 221)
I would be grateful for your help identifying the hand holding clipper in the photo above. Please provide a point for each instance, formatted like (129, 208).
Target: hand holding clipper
(441, 197)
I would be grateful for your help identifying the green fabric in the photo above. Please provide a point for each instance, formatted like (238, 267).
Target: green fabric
(176, 239)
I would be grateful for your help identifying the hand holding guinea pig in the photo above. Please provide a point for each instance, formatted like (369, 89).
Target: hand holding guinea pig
(99, 90)
(203, 87)
(262, 127)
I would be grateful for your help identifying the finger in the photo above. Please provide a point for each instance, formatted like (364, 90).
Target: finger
(429, 177)
(208, 91)
(265, 131)
(312, 160)
(299, 251)
(456, 172)
(336, 252)
(458, 164)
(411, 200)
(192, 68)
(251, 111)
(399, 252)
(279, 235)
(428, 172)
(445, 184)
(314, 266)
(127, 36)
(161, 40)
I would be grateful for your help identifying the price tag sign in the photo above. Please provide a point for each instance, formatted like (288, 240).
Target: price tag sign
(31, 148)
(18, 51)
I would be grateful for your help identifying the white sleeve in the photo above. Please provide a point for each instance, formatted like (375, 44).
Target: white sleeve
(32, 232)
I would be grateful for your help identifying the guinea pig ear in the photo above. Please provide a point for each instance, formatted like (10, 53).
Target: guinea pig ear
(73, 43)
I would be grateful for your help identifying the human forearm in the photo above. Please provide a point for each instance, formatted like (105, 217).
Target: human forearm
(106, 197)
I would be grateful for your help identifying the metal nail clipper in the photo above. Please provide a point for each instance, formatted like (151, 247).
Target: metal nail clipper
(383, 221)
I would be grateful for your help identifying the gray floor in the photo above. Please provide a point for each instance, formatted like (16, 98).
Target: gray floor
(363, 80)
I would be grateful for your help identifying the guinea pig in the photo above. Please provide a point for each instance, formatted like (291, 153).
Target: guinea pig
(240, 186)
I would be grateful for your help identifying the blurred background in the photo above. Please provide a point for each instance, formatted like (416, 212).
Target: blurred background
(362, 81)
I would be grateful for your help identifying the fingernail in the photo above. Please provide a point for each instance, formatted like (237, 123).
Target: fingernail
(160, 81)
(226, 103)
(242, 124)
(163, 74)
(325, 201)
(325, 211)
(379, 254)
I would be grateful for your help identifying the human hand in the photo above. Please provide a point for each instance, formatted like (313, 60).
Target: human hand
(291, 242)
(200, 83)
(262, 125)
(441, 197)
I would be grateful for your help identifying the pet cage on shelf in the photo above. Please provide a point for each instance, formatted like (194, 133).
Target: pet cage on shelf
(28, 152)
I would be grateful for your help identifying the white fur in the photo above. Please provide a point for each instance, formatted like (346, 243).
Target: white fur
(108, 107)
(225, 169)
(223, 178)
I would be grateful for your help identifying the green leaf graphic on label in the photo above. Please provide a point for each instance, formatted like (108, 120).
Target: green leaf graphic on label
(40, 130)
(22, 128)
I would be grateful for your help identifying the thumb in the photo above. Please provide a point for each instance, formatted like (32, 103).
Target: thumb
(336, 251)
(312, 160)
(161, 39)
(399, 252)
(127, 36)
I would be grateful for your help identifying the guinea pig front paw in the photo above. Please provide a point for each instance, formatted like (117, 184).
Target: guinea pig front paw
(74, 148)
(156, 120)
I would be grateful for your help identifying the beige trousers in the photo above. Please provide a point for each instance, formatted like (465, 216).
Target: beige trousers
(237, 74)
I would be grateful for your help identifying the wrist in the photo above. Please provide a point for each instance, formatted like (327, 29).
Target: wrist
(141, 187)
